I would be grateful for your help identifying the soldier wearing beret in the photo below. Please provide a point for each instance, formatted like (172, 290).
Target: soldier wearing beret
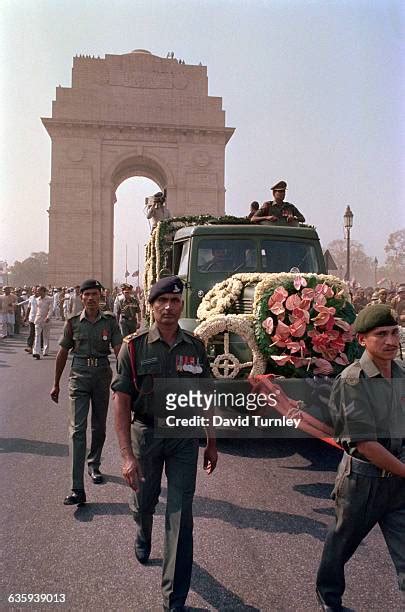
(277, 210)
(127, 310)
(89, 335)
(165, 351)
(368, 409)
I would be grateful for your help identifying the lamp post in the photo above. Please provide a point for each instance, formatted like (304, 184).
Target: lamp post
(348, 221)
(375, 271)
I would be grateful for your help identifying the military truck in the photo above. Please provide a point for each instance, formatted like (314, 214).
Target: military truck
(207, 252)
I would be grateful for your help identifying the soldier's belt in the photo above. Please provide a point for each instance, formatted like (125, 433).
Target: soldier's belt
(91, 362)
(368, 469)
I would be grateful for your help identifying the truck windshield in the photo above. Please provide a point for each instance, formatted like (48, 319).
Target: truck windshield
(282, 255)
(226, 255)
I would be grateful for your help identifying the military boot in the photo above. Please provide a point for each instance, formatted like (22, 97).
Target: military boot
(143, 537)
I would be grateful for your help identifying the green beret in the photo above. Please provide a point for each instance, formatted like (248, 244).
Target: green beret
(167, 284)
(375, 315)
(90, 283)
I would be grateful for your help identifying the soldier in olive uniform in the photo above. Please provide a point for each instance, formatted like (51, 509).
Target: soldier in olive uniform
(368, 409)
(127, 310)
(160, 352)
(89, 335)
(277, 210)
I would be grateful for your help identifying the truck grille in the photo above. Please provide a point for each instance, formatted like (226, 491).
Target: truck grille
(244, 305)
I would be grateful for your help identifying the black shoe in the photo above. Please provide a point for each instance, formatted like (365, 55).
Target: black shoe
(142, 546)
(77, 496)
(325, 607)
(95, 475)
(36, 356)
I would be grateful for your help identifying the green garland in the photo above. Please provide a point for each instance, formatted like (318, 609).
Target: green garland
(344, 310)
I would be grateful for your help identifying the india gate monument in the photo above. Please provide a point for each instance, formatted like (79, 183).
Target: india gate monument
(128, 115)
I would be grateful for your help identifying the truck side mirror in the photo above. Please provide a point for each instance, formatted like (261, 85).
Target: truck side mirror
(164, 272)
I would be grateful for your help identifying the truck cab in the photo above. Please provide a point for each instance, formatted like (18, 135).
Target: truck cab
(204, 255)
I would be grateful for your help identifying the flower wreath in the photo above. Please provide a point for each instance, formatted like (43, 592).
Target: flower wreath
(304, 325)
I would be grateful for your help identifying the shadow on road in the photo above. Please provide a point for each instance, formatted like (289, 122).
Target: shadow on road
(321, 490)
(87, 512)
(215, 594)
(320, 455)
(33, 447)
(268, 521)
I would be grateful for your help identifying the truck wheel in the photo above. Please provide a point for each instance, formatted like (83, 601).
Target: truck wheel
(227, 365)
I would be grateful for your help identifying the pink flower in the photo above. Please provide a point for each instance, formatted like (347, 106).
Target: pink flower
(298, 328)
(299, 281)
(268, 325)
(342, 324)
(308, 293)
(320, 299)
(293, 301)
(305, 304)
(299, 313)
(277, 308)
(342, 359)
(281, 359)
(324, 315)
(325, 290)
(295, 347)
(282, 334)
(280, 294)
(322, 366)
(300, 362)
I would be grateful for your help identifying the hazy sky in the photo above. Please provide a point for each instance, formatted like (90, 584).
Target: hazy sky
(314, 88)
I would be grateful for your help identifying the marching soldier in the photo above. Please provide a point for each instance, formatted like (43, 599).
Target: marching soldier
(89, 335)
(367, 404)
(160, 353)
(127, 310)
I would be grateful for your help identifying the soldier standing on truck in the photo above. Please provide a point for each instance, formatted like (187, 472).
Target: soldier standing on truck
(156, 209)
(277, 210)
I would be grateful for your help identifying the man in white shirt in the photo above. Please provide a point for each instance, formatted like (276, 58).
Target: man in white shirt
(8, 307)
(75, 303)
(30, 317)
(42, 322)
(156, 209)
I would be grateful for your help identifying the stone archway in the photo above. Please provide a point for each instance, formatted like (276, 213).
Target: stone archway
(128, 115)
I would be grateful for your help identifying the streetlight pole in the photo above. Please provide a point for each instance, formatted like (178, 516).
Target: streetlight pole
(348, 222)
(375, 271)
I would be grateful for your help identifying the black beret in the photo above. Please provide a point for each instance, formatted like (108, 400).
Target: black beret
(280, 185)
(168, 284)
(126, 286)
(376, 315)
(90, 283)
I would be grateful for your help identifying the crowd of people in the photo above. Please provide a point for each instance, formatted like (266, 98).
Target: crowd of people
(36, 306)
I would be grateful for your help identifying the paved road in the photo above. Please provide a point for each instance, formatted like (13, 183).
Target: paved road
(260, 519)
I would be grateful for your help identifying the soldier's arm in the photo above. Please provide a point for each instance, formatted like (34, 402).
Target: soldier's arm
(131, 468)
(123, 393)
(61, 359)
(381, 457)
(298, 215)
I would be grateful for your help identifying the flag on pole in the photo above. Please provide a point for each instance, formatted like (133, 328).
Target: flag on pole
(136, 273)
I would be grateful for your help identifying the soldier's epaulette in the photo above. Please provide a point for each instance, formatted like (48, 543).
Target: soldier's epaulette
(108, 313)
(136, 334)
(73, 316)
(190, 333)
(351, 374)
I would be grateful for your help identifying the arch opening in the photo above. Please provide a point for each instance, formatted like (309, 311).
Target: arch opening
(131, 227)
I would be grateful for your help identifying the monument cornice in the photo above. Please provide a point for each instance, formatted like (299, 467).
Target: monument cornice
(105, 128)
